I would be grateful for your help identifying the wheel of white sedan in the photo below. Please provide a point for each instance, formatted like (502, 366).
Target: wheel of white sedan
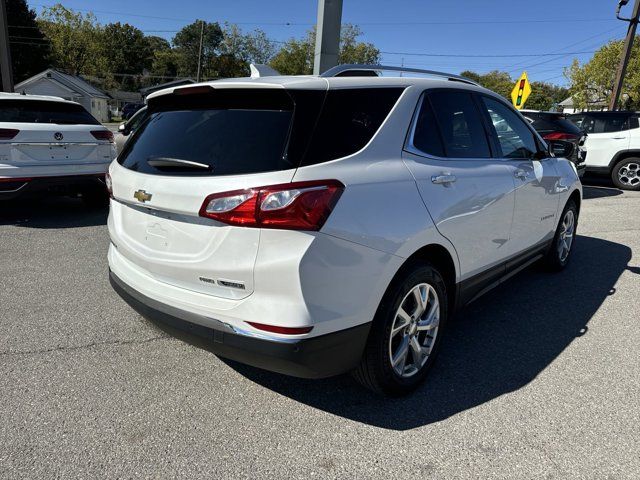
(406, 332)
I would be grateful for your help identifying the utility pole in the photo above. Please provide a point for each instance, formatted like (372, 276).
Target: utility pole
(5, 53)
(200, 50)
(327, 35)
(626, 51)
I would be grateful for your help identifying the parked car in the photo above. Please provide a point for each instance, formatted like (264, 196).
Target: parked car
(50, 145)
(129, 109)
(125, 129)
(556, 126)
(318, 225)
(613, 145)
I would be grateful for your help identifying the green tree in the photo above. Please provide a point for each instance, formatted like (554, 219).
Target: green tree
(237, 50)
(75, 39)
(125, 48)
(187, 44)
(592, 82)
(545, 96)
(30, 49)
(296, 55)
(496, 81)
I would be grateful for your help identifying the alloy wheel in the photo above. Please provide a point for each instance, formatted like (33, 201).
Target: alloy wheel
(414, 330)
(629, 174)
(565, 238)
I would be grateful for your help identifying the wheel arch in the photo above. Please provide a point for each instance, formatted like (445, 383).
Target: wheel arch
(443, 260)
(623, 155)
(577, 199)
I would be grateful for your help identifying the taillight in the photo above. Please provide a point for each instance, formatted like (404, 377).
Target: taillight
(290, 206)
(8, 133)
(103, 135)
(561, 136)
(109, 184)
(282, 330)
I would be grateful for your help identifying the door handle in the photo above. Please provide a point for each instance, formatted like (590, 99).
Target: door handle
(521, 174)
(443, 179)
(618, 138)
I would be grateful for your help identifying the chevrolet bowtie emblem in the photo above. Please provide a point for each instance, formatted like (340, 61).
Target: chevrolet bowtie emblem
(142, 196)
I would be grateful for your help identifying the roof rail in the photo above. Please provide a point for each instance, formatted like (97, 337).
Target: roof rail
(358, 70)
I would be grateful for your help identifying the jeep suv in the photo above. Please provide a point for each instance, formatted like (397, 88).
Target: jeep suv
(612, 145)
(316, 225)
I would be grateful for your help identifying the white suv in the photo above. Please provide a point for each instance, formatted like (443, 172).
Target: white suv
(612, 145)
(317, 225)
(48, 144)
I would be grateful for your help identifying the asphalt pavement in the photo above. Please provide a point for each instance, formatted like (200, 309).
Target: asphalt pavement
(538, 379)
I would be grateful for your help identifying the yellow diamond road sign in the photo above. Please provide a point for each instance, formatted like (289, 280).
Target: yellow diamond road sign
(521, 91)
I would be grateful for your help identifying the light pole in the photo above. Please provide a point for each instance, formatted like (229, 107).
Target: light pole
(327, 35)
(626, 51)
(5, 52)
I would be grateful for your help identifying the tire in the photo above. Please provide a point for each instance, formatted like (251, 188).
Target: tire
(559, 254)
(626, 174)
(375, 370)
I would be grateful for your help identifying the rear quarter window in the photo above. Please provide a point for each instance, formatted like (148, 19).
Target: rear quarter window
(37, 111)
(349, 120)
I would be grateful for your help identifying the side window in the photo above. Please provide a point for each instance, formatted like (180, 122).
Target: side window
(460, 124)
(515, 138)
(615, 123)
(588, 124)
(426, 135)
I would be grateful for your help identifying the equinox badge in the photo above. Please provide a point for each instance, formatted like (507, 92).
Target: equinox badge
(142, 196)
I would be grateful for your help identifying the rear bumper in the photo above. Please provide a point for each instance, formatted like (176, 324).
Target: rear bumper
(317, 357)
(11, 188)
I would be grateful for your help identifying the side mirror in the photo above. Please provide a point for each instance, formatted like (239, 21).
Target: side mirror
(123, 128)
(560, 148)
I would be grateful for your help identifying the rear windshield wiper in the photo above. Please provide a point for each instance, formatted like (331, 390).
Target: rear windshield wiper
(166, 162)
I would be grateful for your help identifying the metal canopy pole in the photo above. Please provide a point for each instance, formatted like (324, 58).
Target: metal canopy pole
(5, 53)
(327, 35)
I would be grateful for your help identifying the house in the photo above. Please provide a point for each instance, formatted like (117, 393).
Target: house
(175, 83)
(70, 87)
(119, 98)
(567, 106)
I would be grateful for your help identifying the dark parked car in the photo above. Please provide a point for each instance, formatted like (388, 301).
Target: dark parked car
(556, 126)
(129, 109)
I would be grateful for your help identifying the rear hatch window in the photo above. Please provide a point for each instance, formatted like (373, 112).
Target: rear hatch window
(548, 122)
(37, 111)
(242, 131)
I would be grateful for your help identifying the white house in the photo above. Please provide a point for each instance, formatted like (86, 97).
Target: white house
(70, 87)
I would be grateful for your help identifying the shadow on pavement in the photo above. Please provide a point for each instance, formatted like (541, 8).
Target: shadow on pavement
(51, 212)
(498, 345)
(589, 192)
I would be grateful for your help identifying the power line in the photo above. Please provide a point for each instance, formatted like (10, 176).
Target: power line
(104, 12)
(461, 55)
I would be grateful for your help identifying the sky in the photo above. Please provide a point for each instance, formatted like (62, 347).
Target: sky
(539, 36)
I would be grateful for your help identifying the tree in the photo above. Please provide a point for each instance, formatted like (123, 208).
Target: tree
(75, 39)
(125, 48)
(497, 81)
(544, 96)
(187, 44)
(30, 49)
(296, 56)
(592, 82)
(237, 50)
